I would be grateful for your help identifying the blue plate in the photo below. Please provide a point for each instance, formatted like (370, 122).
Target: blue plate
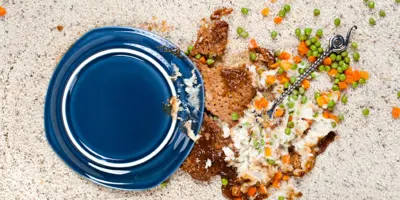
(106, 111)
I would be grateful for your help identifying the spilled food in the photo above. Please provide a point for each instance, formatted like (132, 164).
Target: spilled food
(258, 157)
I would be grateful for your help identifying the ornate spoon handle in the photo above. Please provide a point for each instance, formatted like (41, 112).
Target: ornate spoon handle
(337, 44)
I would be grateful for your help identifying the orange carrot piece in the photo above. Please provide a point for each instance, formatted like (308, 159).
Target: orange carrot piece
(327, 61)
(356, 75)
(285, 177)
(396, 112)
(326, 114)
(203, 60)
(286, 65)
(284, 80)
(322, 100)
(261, 103)
(349, 71)
(312, 59)
(278, 20)
(265, 12)
(262, 189)
(349, 78)
(276, 183)
(302, 49)
(286, 159)
(252, 191)
(3, 11)
(284, 56)
(275, 65)
(364, 74)
(253, 44)
(279, 112)
(342, 85)
(268, 151)
(297, 59)
(333, 72)
(270, 79)
(305, 84)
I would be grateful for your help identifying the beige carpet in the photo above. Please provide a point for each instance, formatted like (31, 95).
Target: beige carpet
(363, 164)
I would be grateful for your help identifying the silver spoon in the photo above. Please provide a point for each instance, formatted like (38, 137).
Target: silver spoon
(337, 44)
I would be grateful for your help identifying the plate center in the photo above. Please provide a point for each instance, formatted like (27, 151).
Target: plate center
(115, 109)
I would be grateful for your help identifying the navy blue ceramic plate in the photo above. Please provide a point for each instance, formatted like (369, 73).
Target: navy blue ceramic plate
(107, 111)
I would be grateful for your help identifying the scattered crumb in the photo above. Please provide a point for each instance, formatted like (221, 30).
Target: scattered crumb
(60, 28)
(208, 163)
(175, 103)
(190, 133)
(156, 26)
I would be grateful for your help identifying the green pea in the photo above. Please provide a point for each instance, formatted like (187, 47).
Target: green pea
(320, 33)
(332, 56)
(354, 45)
(338, 57)
(287, 131)
(286, 7)
(308, 31)
(327, 68)
(336, 81)
(340, 70)
(341, 63)
(253, 56)
(362, 81)
(303, 37)
(316, 95)
(302, 90)
(282, 13)
(274, 34)
(244, 34)
(313, 47)
(313, 75)
(365, 112)
(290, 104)
(321, 68)
(318, 44)
(320, 50)
(301, 70)
(309, 53)
(398, 94)
(295, 92)
(308, 42)
(335, 87)
(314, 40)
(341, 117)
(331, 104)
(315, 53)
(190, 48)
(197, 56)
(210, 61)
(281, 105)
(239, 30)
(372, 21)
(345, 99)
(286, 85)
(345, 67)
(342, 77)
(317, 12)
(344, 54)
(290, 124)
(315, 115)
(356, 56)
(277, 53)
(294, 97)
(294, 66)
(224, 181)
(382, 13)
(371, 4)
(297, 31)
(347, 60)
(281, 70)
(245, 11)
(330, 109)
(303, 99)
(235, 116)
(333, 124)
(335, 65)
(397, 1)
(187, 52)
(292, 79)
(337, 22)
(355, 85)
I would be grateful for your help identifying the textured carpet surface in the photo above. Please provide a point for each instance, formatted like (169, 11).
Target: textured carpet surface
(363, 164)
